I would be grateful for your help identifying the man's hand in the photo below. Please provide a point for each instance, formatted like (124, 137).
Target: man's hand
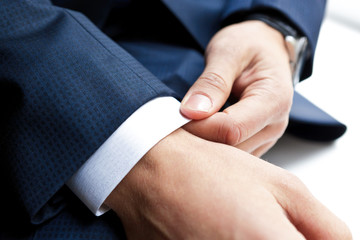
(190, 188)
(250, 61)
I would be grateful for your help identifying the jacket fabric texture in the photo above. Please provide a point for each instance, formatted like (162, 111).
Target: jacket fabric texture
(72, 71)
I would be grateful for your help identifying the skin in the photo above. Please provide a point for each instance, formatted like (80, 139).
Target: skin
(248, 60)
(190, 188)
(187, 187)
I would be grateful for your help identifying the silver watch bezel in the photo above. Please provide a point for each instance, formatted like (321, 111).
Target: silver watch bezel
(296, 48)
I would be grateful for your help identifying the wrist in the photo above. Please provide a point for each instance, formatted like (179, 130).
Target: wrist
(144, 185)
(266, 37)
(296, 44)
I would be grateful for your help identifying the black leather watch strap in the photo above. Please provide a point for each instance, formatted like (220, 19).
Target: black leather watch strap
(279, 24)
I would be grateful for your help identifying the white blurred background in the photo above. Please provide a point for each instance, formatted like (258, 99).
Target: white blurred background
(345, 11)
(332, 170)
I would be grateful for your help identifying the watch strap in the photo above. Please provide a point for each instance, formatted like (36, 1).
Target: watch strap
(276, 22)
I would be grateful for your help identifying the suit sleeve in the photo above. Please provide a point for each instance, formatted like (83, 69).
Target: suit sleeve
(305, 15)
(66, 88)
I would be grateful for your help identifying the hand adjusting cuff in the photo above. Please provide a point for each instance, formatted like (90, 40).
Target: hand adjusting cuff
(296, 44)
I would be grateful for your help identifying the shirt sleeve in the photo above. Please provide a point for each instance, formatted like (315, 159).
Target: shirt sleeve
(104, 170)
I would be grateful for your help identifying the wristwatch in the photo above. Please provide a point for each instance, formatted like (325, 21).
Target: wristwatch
(296, 45)
(296, 48)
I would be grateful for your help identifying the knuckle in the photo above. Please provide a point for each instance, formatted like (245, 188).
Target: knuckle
(215, 81)
(280, 103)
(283, 105)
(228, 132)
(232, 135)
(238, 131)
(242, 129)
(291, 184)
(280, 129)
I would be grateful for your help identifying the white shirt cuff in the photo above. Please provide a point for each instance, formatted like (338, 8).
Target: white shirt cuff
(104, 170)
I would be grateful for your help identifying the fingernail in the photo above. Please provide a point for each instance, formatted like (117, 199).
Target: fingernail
(198, 102)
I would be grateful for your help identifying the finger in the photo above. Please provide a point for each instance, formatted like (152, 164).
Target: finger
(250, 116)
(222, 128)
(281, 229)
(219, 127)
(210, 92)
(317, 222)
(272, 220)
(269, 134)
(263, 149)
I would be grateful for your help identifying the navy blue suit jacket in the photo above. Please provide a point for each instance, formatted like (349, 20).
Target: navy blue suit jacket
(72, 71)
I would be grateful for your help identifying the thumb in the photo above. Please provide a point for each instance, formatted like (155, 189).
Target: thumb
(210, 92)
(310, 216)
